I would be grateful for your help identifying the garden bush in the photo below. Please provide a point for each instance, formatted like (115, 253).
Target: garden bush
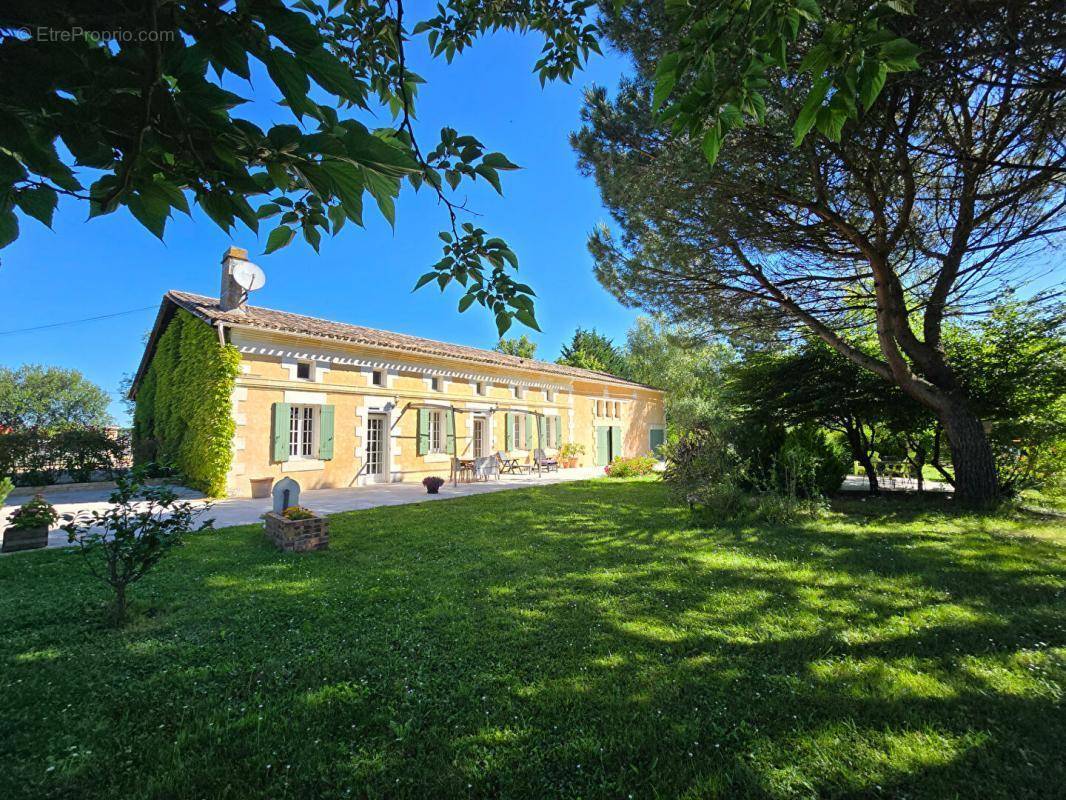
(630, 467)
(36, 458)
(6, 487)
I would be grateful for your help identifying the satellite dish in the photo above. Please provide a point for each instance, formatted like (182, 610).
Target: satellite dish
(248, 276)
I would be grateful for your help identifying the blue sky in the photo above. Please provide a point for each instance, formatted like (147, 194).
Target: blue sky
(363, 276)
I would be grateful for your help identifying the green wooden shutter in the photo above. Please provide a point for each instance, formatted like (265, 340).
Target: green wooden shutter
(529, 432)
(282, 415)
(325, 433)
(656, 437)
(616, 441)
(540, 433)
(449, 430)
(423, 431)
(601, 445)
(558, 432)
(508, 433)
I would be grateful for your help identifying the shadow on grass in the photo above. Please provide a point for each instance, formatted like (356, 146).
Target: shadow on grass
(583, 639)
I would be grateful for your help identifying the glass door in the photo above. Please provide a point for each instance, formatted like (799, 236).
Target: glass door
(375, 447)
(480, 446)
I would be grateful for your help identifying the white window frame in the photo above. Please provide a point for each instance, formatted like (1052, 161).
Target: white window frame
(549, 395)
(435, 430)
(310, 371)
(377, 373)
(518, 392)
(549, 434)
(480, 388)
(436, 383)
(302, 417)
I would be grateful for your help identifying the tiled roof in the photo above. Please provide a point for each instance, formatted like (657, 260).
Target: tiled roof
(267, 319)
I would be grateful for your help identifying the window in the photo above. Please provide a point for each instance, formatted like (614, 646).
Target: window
(479, 387)
(303, 431)
(519, 438)
(377, 377)
(518, 392)
(550, 396)
(436, 432)
(599, 408)
(551, 428)
(435, 384)
(303, 370)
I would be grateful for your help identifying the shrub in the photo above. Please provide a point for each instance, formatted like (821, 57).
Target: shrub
(571, 450)
(433, 484)
(122, 544)
(87, 450)
(630, 467)
(29, 457)
(816, 464)
(37, 513)
(6, 487)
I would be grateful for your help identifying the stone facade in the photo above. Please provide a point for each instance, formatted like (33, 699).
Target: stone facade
(297, 536)
(268, 377)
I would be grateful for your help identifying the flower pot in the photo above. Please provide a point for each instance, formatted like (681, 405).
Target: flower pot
(261, 487)
(432, 490)
(24, 539)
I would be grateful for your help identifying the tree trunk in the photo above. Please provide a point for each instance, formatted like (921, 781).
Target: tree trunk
(118, 611)
(860, 454)
(971, 456)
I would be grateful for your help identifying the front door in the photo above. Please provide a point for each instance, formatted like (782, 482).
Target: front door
(376, 443)
(480, 445)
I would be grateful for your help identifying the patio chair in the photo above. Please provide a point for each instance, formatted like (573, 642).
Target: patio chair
(542, 461)
(486, 466)
(508, 465)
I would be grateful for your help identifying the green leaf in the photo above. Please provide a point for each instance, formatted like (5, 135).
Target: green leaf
(9, 227)
(830, 121)
(525, 316)
(291, 79)
(503, 322)
(424, 280)
(331, 74)
(465, 302)
(489, 174)
(900, 55)
(268, 210)
(871, 81)
(279, 238)
(338, 216)
(498, 161)
(712, 143)
(152, 215)
(39, 203)
(806, 119)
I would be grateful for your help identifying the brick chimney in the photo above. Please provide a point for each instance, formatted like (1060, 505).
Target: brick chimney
(232, 297)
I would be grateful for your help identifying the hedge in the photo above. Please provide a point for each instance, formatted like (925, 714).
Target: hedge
(183, 413)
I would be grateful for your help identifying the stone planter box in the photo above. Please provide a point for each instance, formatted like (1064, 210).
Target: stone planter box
(24, 539)
(297, 536)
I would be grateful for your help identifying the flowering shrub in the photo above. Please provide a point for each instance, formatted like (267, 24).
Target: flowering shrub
(630, 467)
(37, 513)
(295, 513)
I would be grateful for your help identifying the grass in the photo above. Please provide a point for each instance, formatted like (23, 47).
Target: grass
(582, 640)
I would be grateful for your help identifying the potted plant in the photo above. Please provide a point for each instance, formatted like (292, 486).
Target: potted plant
(433, 484)
(569, 452)
(297, 529)
(28, 525)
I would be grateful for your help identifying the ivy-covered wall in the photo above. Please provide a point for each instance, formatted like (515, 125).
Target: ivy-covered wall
(182, 415)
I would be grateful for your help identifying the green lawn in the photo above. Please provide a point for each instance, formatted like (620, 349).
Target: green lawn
(583, 640)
